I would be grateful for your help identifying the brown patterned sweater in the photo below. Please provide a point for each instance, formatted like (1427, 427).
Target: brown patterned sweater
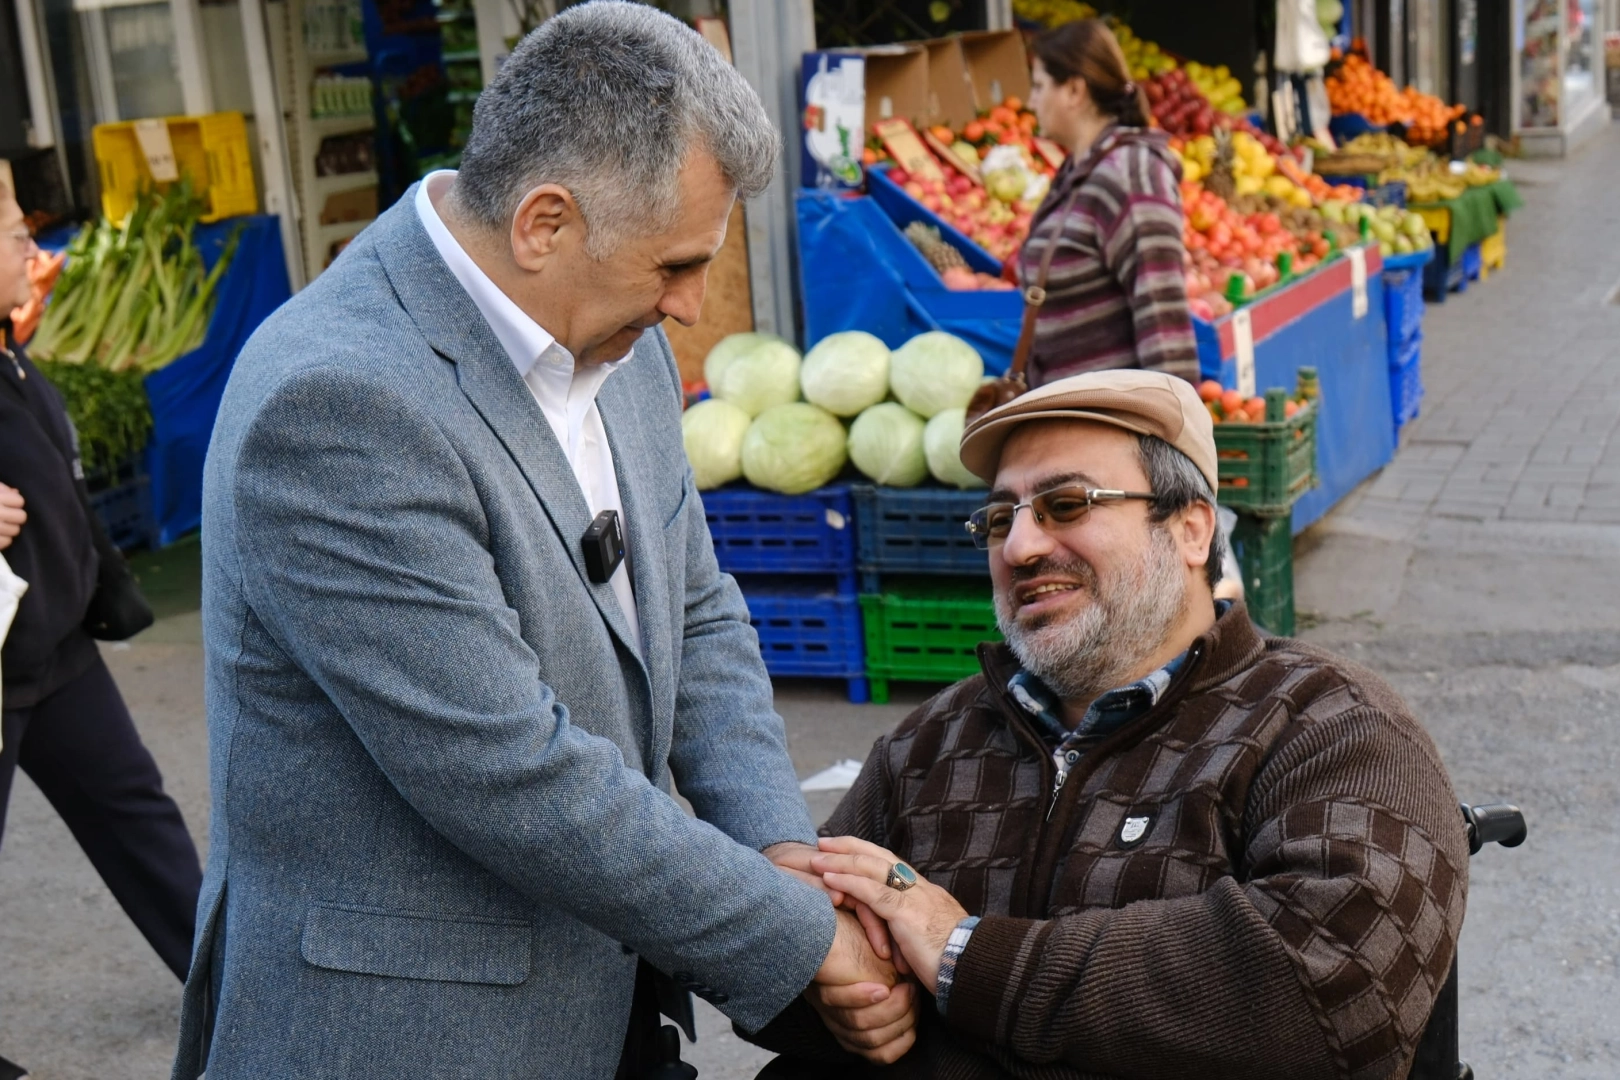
(1289, 912)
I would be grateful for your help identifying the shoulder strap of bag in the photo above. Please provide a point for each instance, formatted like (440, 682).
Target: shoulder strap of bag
(1035, 295)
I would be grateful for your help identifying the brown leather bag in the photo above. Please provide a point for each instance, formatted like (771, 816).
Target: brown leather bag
(998, 392)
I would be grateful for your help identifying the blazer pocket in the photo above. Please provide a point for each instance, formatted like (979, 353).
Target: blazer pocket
(686, 495)
(417, 944)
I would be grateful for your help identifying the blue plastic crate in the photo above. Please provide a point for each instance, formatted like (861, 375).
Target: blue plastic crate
(809, 629)
(1406, 382)
(761, 532)
(1472, 262)
(1390, 194)
(915, 531)
(1442, 276)
(1403, 307)
(122, 499)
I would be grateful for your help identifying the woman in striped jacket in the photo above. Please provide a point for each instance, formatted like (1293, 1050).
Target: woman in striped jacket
(1116, 294)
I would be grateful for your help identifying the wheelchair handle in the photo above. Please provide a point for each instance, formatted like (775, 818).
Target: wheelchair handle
(1494, 823)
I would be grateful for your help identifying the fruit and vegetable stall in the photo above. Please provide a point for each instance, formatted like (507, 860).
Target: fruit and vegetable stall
(137, 318)
(831, 481)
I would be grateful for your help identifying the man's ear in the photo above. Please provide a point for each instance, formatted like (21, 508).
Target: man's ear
(1195, 532)
(547, 220)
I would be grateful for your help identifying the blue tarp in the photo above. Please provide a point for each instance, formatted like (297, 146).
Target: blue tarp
(185, 395)
(1354, 435)
(859, 272)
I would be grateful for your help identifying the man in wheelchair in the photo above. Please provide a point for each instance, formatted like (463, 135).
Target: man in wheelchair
(1146, 840)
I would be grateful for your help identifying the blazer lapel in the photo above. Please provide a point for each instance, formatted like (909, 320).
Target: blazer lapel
(620, 398)
(456, 330)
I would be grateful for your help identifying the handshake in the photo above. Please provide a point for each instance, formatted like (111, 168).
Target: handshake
(890, 940)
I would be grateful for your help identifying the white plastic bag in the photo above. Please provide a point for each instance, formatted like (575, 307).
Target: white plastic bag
(12, 588)
(1301, 44)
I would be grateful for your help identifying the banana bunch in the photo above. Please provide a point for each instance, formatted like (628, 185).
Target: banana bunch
(1477, 175)
(1426, 189)
(1053, 12)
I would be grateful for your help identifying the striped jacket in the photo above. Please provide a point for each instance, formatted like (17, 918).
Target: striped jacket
(1261, 878)
(1116, 295)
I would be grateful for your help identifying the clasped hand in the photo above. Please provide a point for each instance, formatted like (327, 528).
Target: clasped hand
(887, 942)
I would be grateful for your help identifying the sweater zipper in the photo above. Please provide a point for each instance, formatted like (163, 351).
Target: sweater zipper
(15, 363)
(1046, 860)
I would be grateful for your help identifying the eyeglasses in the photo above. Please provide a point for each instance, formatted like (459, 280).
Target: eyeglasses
(1059, 508)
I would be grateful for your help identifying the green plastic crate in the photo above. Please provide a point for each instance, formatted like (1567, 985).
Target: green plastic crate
(1264, 547)
(1266, 467)
(926, 630)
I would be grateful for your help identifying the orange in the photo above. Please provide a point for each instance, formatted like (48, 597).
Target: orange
(1210, 390)
(1231, 402)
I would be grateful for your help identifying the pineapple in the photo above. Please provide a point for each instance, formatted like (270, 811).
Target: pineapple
(940, 255)
(1222, 179)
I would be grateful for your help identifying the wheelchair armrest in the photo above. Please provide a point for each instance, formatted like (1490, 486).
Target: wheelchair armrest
(1495, 823)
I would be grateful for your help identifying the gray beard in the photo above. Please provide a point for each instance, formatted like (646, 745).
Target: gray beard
(1128, 620)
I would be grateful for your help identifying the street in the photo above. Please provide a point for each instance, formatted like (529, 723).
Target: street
(1479, 574)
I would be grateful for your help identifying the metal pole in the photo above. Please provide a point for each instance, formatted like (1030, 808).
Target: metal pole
(998, 15)
(768, 40)
(41, 110)
(267, 121)
(195, 91)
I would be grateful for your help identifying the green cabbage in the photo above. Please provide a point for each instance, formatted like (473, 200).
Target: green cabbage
(935, 371)
(728, 349)
(942, 441)
(793, 448)
(846, 372)
(713, 432)
(886, 443)
(765, 375)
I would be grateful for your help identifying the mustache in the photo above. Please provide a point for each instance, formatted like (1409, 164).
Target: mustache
(1053, 566)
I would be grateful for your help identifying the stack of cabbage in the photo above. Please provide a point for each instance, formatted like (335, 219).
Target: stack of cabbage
(755, 424)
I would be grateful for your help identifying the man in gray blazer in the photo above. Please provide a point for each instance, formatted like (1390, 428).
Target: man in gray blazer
(442, 741)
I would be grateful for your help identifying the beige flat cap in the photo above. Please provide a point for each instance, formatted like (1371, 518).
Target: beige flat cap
(1146, 402)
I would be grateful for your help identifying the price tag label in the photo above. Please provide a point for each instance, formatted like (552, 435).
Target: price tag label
(1243, 345)
(900, 140)
(1050, 152)
(153, 135)
(1358, 282)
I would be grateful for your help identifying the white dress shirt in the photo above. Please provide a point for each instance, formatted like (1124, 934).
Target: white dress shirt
(566, 396)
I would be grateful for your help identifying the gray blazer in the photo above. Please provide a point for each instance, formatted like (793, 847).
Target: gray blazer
(441, 826)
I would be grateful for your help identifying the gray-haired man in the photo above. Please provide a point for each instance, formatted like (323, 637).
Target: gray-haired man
(443, 725)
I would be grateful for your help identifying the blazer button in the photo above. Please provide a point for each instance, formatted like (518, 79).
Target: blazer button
(685, 979)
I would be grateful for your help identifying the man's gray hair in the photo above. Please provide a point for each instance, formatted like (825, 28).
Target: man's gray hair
(608, 100)
(1177, 483)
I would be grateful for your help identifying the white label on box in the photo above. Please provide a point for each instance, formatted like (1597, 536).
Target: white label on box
(1243, 345)
(153, 135)
(835, 520)
(1358, 282)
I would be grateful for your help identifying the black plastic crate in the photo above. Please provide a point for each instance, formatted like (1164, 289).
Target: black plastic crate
(122, 500)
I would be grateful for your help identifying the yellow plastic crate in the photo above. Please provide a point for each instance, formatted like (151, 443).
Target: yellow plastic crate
(1493, 250)
(211, 149)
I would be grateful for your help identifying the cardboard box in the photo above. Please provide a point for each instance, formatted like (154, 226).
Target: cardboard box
(843, 93)
(997, 66)
(357, 204)
(950, 94)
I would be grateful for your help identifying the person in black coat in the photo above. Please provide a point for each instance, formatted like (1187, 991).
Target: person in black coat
(62, 718)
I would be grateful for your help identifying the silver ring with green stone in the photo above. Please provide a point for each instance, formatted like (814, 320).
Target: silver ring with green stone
(901, 877)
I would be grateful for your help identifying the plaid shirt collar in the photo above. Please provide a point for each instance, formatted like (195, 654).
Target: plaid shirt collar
(1106, 715)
